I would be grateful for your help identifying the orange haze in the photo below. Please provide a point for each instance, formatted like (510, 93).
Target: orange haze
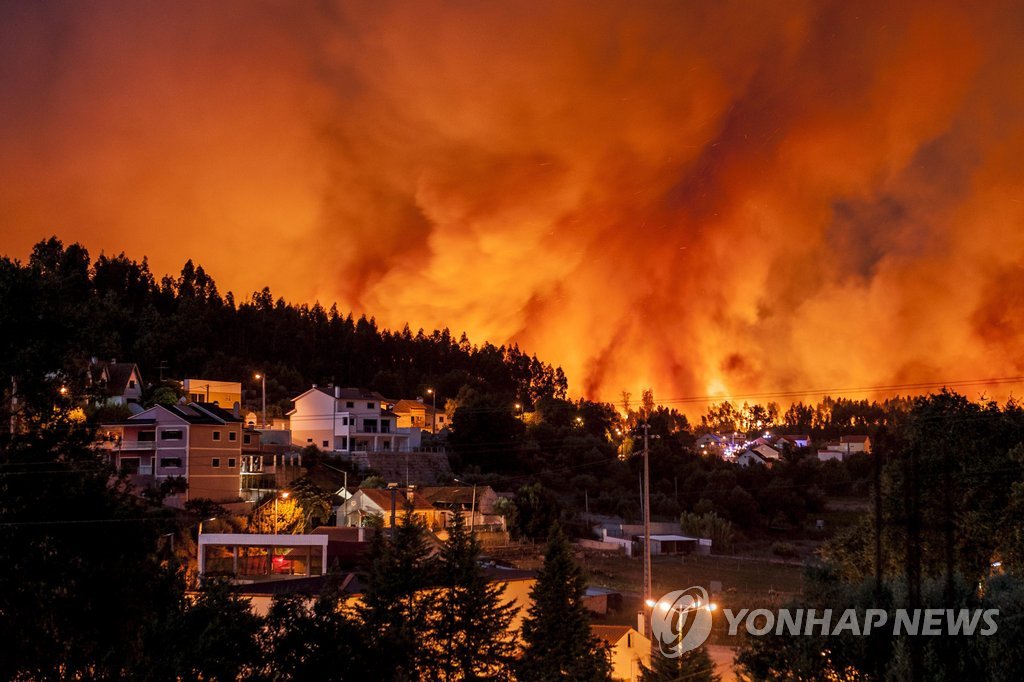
(697, 196)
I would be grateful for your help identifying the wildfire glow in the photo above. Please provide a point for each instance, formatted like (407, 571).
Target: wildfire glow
(752, 196)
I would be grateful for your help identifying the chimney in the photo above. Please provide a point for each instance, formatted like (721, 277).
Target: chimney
(314, 385)
(337, 391)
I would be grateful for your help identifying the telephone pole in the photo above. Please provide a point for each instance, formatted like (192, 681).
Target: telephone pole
(647, 524)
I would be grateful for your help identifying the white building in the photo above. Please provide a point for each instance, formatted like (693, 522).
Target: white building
(348, 420)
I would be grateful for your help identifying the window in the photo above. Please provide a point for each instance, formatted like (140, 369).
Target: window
(216, 435)
(370, 426)
(171, 434)
(344, 442)
(247, 438)
(195, 397)
(350, 404)
(170, 462)
(387, 445)
(232, 435)
(325, 443)
(385, 426)
(231, 462)
(369, 406)
(130, 466)
(131, 383)
(309, 440)
(215, 462)
(147, 436)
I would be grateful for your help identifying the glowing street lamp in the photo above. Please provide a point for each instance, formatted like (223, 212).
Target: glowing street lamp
(665, 607)
(281, 496)
(263, 382)
(433, 411)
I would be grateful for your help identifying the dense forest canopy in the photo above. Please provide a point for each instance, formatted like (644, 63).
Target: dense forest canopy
(62, 304)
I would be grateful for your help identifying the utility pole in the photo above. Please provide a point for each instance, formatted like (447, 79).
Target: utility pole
(647, 524)
(433, 411)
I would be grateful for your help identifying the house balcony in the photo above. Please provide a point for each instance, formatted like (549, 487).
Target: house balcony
(128, 445)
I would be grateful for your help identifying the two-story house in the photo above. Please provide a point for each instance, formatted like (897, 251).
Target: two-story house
(340, 419)
(416, 414)
(198, 442)
(117, 383)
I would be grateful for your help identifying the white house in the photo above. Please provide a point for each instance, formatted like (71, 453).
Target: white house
(347, 420)
(766, 451)
(852, 444)
(748, 457)
(794, 440)
(828, 455)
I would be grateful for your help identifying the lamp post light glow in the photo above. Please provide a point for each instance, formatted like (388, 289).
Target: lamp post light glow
(665, 606)
(281, 496)
(433, 410)
(263, 383)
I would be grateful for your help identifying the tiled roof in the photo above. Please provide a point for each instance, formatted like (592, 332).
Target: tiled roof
(118, 375)
(352, 393)
(610, 633)
(382, 498)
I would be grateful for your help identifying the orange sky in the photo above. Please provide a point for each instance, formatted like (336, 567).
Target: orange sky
(701, 197)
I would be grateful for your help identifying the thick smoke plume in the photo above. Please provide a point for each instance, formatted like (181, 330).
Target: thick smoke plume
(702, 197)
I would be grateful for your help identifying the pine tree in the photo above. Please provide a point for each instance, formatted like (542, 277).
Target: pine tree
(398, 610)
(692, 666)
(472, 633)
(558, 642)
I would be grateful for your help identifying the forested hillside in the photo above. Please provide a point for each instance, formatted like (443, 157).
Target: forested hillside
(60, 308)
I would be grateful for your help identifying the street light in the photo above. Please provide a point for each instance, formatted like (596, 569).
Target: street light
(472, 518)
(519, 406)
(696, 605)
(263, 382)
(433, 411)
(281, 496)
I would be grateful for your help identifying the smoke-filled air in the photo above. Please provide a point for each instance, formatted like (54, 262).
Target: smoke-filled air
(701, 197)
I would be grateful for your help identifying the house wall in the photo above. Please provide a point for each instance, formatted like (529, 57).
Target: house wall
(222, 482)
(312, 421)
(227, 394)
(628, 653)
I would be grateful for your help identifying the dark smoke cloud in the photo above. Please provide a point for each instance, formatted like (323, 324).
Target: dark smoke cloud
(701, 197)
